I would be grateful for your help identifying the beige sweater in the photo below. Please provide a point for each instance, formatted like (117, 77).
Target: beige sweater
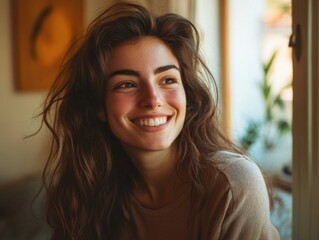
(236, 207)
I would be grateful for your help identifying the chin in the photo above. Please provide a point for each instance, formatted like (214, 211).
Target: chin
(156, 147)
(150, 147)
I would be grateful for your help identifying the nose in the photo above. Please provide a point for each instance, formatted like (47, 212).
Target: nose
(151, 97)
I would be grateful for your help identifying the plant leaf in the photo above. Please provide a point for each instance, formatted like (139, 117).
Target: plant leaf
(250, 136)
(268, 65)
(279, 102)
(266, 89)
(283, 127)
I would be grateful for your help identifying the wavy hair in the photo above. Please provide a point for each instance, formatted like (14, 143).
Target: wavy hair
(88, 177)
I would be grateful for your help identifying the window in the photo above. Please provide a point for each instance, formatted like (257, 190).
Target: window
(260, 74)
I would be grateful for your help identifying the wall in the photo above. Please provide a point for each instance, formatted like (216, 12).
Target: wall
(207, 21)
(245, 55)
(19, 157)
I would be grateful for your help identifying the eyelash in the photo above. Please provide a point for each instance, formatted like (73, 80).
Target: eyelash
(125, 85)
(171, 79)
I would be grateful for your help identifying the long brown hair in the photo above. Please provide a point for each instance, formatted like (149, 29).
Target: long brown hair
(88, 176)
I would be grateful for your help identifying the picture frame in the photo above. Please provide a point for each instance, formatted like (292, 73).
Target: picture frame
(43, 31)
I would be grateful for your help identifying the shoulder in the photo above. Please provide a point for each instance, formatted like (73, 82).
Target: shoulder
(242, 179)
(245, 202)
(241, 176)
(237, 169)
(226, 160)
(238, 177)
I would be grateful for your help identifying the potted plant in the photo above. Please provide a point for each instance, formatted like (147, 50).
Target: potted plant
(272, 127)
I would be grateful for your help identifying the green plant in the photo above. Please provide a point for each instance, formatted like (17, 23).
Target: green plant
(271, 127)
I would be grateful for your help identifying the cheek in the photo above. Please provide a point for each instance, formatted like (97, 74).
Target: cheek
(117, 106)
(177, 99)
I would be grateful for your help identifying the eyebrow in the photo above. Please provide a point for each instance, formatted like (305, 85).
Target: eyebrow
(165, 68)
(134, 73)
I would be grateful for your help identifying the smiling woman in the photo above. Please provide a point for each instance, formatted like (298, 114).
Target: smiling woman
(137, 149)
(142, 93)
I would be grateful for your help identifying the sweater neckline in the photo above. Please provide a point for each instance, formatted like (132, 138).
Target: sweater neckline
(166, 208)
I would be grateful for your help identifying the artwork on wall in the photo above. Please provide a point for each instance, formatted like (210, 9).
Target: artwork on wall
(43, 32)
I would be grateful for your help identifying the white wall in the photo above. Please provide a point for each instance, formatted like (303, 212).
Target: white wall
(207, 20)
(245, 40)
(19, 157)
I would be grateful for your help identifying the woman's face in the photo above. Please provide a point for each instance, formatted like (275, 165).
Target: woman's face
(146, 102)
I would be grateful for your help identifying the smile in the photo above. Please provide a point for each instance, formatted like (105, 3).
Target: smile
(151, 122)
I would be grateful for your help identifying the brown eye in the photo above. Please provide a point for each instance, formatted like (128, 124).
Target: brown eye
(125, 85)
(169, 80)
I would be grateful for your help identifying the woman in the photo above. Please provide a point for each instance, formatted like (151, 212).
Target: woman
(137, 151)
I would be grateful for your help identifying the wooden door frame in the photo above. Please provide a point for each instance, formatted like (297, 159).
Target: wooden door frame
(305, 120)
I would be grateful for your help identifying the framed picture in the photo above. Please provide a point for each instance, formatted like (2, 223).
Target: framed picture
(43, 32)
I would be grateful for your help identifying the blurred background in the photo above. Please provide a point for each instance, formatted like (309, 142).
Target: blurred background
(246, 46)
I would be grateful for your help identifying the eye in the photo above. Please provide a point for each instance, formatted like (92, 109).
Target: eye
(125, 85)
(169, 80)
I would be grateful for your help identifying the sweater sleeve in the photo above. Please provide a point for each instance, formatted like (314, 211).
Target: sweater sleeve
(248, 213)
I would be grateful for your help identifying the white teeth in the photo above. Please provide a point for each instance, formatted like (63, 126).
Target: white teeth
(152, 122)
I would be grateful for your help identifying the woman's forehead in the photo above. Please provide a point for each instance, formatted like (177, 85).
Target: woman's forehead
(145, 52)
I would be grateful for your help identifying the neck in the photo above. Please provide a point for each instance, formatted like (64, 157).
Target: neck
(154, 166)
(159, 183)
